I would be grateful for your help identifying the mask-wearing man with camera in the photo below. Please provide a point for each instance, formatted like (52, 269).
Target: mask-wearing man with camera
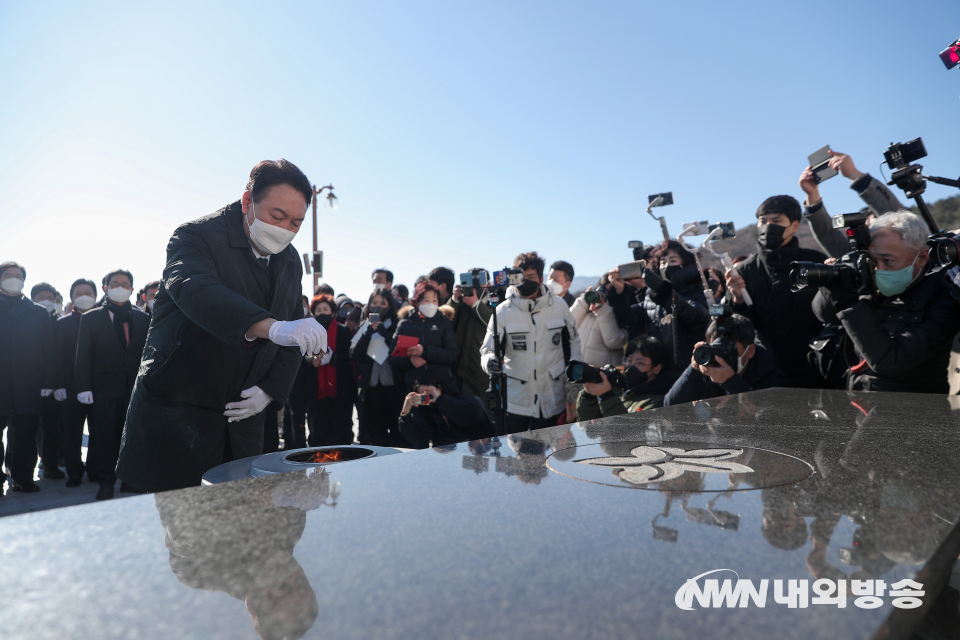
(748, 364)
(645, 381)
(899, 334)
(538, 336)
(433, 418)
(783, 318)
(227, 336)
(471, 313)
(560, 279)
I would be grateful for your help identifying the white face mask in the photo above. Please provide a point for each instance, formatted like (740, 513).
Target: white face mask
(49, 305)
(743, 361)
(84, 303)
(58, 308)
(272, 238)
(12, 285)
(118, 294)
(429, 310)
(379, 286)
(555, 287)
(150, 305)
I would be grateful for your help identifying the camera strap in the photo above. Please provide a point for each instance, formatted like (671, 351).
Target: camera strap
(565, 343)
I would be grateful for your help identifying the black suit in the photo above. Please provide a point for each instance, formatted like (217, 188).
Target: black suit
(74, 414)
(197, 358)
(108, 368)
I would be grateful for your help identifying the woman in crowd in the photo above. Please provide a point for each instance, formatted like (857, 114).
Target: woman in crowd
(330, 404)
(436, 349)
(601, 339)
(381, 397)
(715, 280)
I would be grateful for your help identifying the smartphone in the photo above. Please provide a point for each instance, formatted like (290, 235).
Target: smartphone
(374, 317)
(818, 162)
(632, 269)
(473, 279)
(951, 55)
(423, 398)
(728, 230)
(666, 198)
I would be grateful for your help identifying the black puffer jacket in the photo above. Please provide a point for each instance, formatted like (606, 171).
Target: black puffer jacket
(905, 340)
(762, 373)
(440, 350)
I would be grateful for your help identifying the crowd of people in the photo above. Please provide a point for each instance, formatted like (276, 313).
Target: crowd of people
(224, 355)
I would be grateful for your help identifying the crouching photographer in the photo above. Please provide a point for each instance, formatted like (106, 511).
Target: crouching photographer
(432, 418)
(642, 384)
(734, 361)
(897, 311)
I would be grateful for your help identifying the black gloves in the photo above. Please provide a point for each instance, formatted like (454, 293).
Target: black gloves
(653, 280)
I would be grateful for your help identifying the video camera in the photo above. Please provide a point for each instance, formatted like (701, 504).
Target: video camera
(944, 251)
(908, 177)
(723, 346)
(857, 262)
(581, 372)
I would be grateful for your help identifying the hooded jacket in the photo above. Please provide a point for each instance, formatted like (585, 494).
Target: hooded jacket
(439, 349)
(530, 331)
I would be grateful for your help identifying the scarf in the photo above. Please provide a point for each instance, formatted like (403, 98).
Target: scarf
(121, 314)
(327, 373)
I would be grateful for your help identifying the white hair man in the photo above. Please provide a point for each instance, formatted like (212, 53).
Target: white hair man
(900, 331)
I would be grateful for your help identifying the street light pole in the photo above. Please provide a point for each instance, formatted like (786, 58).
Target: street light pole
(331, 203)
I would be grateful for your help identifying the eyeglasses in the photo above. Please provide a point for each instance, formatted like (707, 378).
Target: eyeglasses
(637, 362)
(117, 285)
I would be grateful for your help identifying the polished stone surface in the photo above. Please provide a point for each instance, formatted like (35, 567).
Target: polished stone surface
(480, 541)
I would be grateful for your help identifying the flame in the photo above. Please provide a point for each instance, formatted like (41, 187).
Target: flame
(324, 456)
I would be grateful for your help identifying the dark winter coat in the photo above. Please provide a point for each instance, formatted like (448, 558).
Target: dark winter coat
(66, 330)
(439, 350)
(470, 327)
(783, 318)
(466, 419)
(103, 365)
(27, 355)
(197, 358)
(358, 352)
(905, 339)
(615, 402)
(762, 373)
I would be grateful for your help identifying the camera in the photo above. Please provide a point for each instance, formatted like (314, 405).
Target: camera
(706, 354)
(855, 224)
(814, 274)
(900, 154)
(374, 317)
(508, 278)
(473, 280)
(581, 372)
(593, 297)
(944, 251)
(632, 269)
(951, 55)
(637, 247)
(421, 399)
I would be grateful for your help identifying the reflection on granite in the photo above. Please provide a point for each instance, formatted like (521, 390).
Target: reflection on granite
(445, 543)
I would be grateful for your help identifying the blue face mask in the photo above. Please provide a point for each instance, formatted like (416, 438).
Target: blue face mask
(893, 283)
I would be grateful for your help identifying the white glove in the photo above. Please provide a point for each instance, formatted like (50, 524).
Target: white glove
(85, 397)
(256, 400)
(46, 393)
(306, 334)
(60, 395)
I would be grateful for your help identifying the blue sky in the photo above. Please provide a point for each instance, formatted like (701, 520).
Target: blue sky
(456, 134)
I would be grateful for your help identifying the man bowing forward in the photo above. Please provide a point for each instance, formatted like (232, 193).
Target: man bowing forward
(226, 336)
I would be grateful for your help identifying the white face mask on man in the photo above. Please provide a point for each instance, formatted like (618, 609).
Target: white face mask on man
(555, 287)
(12, 285)
(84, 303)
(270, 237)
(118, 294)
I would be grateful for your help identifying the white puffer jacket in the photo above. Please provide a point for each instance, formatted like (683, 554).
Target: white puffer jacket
(601, 339)
(533, 351)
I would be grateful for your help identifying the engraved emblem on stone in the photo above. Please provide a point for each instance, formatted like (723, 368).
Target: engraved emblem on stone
(657, 464)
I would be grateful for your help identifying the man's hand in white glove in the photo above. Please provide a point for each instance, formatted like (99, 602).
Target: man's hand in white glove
(255, 400)
(306, 334)
(85, 397)
(46, 393)
(60, 395)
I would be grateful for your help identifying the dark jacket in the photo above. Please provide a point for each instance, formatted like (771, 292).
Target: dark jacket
(27, 355)
(439, 350)
(615, 402)
(905, 339)
(197, 359)
(466, 419)
(358, 352)
(470, 327)
(762, 373)
(783, 318)
(66, 330)
(340, 361)
(103, 365)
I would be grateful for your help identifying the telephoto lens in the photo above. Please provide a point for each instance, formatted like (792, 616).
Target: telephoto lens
(813, 274)
(582, 372)
(706, 354)
(593, 297)
(944, 252)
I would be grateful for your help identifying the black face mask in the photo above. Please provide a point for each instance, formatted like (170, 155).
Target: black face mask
(528, 288)
(714, 286)
(324, 319)
(635, 377)
(770, 236)
(345, 312)
(667, 273)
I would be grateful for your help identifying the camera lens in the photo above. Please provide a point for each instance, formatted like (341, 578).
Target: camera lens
(814, 274)
(591, 297)
(703, 355)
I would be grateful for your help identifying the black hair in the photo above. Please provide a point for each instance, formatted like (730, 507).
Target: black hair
(323, 287)
(402, 290)
(118, 272)
(385, 271)
(443, 275)
(42, 286)
(739, 328)
(428, 380)
(80, 281)
(153, 284)
(787, 205)
(649, 347)
(270, 173)
(388, 298)
(530, 260)
(565, 267)
(672, 245)
(6, 265)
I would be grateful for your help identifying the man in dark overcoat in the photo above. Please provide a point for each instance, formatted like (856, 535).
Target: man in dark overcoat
(226, 336)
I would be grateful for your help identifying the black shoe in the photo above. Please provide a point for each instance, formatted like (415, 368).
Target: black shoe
(74, 482)
(126, 488)
(52, 473)
(26, 488)
(105, 492)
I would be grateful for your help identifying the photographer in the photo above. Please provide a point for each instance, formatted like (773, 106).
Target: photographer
(380, 396)
(601, 339)
(900, 339)
(535, 352)
(673, 306)
(755, 367)
(471, 314)
(645, 377)
(874, 193)
(444, 418)
(783, 317)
